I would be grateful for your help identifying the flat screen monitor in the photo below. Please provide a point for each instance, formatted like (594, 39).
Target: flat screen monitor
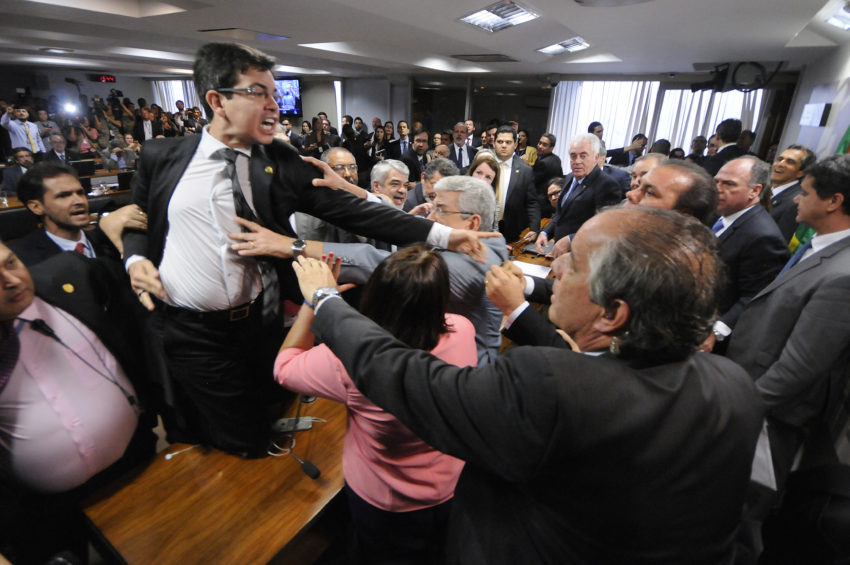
(288, 95)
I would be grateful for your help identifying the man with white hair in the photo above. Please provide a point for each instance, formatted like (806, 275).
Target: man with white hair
(586, 190)
(389, 177)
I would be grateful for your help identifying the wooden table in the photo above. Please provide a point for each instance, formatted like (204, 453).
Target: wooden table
(211, 507)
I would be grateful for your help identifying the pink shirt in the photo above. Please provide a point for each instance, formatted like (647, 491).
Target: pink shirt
(383, 461)
(60, 421)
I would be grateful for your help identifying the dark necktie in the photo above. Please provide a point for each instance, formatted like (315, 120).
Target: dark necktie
(798, 255)
(458, 151)
(271, 285)
(10, 348)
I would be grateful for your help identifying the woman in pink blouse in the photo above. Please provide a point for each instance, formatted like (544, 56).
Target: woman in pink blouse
(399, 489)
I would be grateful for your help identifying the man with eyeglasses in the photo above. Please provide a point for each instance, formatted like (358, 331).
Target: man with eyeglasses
(424, 191)
(214, 322)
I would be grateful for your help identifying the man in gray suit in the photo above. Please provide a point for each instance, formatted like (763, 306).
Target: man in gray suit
(794, 337)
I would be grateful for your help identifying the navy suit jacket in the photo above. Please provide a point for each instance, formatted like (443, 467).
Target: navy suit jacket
(411, 159)
(783, 210)
(522, 209)
(754, 252)
(11, 177)
(470, 154)
(598, 190)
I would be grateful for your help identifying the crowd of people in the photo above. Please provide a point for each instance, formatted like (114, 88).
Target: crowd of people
(675, 402)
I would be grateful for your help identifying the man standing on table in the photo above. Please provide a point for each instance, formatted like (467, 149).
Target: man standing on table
(208, 321)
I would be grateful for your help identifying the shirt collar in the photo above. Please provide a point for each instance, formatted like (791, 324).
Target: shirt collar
(827, 239)
(777, 190)
(730, 219)
(209, 145)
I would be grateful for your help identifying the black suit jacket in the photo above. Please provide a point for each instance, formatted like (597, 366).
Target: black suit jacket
(545, 169)
(619, 175)
(69, 156)
(281, 183)
(598, 190)
(522, 208)
(713, 163)
(36, 246)
(139, 130)
(411, 159)
(754, 252)
(620, 157)
(570, 458)
(784, 211)
(393, 149)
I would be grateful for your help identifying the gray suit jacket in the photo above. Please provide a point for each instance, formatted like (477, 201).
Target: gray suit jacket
(794, 340)
(466, 279)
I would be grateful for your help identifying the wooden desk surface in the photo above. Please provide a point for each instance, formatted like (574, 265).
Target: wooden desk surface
(210, 507)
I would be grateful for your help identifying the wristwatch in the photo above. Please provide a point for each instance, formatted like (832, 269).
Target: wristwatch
(298, 248)
(322, 293)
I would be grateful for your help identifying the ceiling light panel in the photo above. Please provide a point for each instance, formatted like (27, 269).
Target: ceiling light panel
(499, 16)
(570, 45)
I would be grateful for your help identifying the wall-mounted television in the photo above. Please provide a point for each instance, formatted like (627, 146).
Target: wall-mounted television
(288, 95)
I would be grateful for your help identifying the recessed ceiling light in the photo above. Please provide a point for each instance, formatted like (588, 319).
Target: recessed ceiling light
(56, 50)
(570, 45)
(499, 16)
(841, 17)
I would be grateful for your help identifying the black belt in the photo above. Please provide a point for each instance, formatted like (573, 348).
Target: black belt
(239, 313)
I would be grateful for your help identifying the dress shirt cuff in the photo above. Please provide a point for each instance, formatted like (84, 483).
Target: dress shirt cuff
(722, 329)
(511, 318)
(372, 198)
(529, 285)
(132, 259)
(439, 236)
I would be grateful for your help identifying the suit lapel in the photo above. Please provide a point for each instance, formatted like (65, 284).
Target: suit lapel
(261, 174)
(804, 266)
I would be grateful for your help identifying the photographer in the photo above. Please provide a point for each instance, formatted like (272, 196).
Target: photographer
(117, 156)
(82, 137)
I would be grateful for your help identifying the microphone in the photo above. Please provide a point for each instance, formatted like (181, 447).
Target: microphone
(309, 469)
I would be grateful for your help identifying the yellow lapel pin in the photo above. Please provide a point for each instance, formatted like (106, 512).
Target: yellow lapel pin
(269, 170)
(68, 287)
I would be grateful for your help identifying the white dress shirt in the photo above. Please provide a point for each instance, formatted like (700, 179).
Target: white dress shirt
(71, 245)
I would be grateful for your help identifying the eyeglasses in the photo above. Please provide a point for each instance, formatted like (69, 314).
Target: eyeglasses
(342, 168)
(254, 91)
(442, 212)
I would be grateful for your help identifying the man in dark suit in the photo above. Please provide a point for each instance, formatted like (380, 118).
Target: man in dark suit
(517, 206)
(424, 190)
(472, 140)
(727, 134)
(72, 385)
(646, 488)
(209, 318)
(146, 127)
(53, 192)
(620, 175)
(625, 156)
(12, 175)
(586, 190)
(751, 245)
(414, 158)
(788, 168)
(794, 340)
(546, 167)
(460, 151)
(58, 151)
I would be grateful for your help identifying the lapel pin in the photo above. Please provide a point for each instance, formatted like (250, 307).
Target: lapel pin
(269, 170)
(68, 287)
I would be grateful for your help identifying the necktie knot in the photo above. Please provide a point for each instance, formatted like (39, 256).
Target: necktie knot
(718, 225)
(227, 154)
(80, 248)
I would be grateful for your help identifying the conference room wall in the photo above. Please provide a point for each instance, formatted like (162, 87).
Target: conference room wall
(43, 82)
(827, 80)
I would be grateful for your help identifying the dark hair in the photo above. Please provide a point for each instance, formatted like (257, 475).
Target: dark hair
(829, 176)
(678, 151)
(660, 146)
(700, 199)
(550, 137)
(15, 150)
(31, 185)
(638, 136)
(593, 126)
(506, 129)
(408, 294)
(808, 160)
(559, 181)
(729, 130)
(348, 132)
(422, 130)
(349, 118)
(665, 266)
(217, 65)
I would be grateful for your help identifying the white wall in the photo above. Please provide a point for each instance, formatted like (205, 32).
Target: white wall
(367, 98)
(827, 80)
(317, 95)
